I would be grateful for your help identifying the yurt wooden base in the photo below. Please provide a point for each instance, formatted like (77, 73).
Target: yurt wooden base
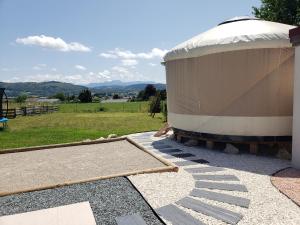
(211, 139)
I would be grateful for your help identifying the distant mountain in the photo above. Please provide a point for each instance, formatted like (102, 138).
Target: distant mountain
(126, 89)
(50, 88)
(117, 83)
(43, 89)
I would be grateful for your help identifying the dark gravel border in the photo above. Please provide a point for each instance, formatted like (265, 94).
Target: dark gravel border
(108, 198)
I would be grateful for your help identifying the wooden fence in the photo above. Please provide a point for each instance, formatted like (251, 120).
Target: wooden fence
(30, 111)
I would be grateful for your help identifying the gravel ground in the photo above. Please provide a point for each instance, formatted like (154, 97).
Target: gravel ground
(267, 205)
(108, 199)
(50, 167)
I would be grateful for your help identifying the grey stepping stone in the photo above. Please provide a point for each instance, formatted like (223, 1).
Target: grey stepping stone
(171, 150)
(221, 186)
(205, 169)
(177, 216)
(215, 177)
(180, 155)
(233, 200)
(135, 219)
(159, 146)
(190, 162)
(210, 210)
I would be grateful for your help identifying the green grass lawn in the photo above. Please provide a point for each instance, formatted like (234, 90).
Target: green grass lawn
(107, 107)
(64, 126)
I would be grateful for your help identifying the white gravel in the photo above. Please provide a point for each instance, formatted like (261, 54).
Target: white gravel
(267, 205)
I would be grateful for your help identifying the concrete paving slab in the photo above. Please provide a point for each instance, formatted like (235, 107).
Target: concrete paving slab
(215, 177)
(205, 169)
(177, 216)
(180, 155)
(191, 162)
(135, 219)
(221, 186)
(210, 210)
(233, 200)
(74, 214)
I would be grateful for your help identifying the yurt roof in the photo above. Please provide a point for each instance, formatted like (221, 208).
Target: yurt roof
(234, 34)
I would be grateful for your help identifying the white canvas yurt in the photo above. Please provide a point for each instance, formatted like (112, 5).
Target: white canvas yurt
(234, 80)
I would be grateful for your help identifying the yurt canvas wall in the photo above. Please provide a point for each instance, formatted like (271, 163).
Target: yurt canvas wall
(243, 92)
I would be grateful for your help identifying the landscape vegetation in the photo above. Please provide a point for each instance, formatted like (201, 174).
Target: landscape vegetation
(86, 118)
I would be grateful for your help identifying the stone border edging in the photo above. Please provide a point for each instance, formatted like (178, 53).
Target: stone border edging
(272, 175)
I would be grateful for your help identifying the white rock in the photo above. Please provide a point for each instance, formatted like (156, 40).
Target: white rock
(112, 136)
(100, 139)
(230, 149)
(86, 140)
(191, 142)
(284, 154)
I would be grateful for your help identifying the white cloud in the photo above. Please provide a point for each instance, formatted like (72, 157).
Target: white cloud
(152, 64)
(39, 66)
(108, 55)
(53, 43)
(126, 54)
(54, 69)
(79, 67)
(129, 62)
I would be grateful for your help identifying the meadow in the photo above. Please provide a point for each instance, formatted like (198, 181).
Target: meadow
(77, 122)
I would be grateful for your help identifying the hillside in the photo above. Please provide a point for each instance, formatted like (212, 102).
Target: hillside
(127, 88)
(50, 88)
(41, 89)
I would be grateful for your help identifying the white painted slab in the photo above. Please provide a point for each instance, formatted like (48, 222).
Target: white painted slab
(75, 214)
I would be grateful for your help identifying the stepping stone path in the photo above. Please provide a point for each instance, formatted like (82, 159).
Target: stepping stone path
(233, 200)
(191, 162)
(215, 177)
(177, 216)
(210, 210)
(205, 169)
(180, 155)
(221, 186)
(135, 219)
(172, 150)
(207, 186)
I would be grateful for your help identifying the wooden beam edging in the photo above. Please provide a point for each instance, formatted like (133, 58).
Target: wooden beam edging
(35, 148)
(154, 170)
(164, 161)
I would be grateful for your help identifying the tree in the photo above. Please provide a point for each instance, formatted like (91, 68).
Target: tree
(85, 96)
(155, 105)
(282, 11)
(145, 94)
(61, 96)
(163, 94)
(21, 98)
(116, 96)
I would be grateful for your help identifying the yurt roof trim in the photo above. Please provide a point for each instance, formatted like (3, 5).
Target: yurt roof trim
(235, 34)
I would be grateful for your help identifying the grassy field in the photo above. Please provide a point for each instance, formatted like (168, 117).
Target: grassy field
(69, 127)
(106, 107)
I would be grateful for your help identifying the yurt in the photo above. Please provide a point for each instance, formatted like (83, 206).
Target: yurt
(233, 82)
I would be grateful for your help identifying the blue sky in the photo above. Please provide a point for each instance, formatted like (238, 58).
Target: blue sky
(88, 41)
